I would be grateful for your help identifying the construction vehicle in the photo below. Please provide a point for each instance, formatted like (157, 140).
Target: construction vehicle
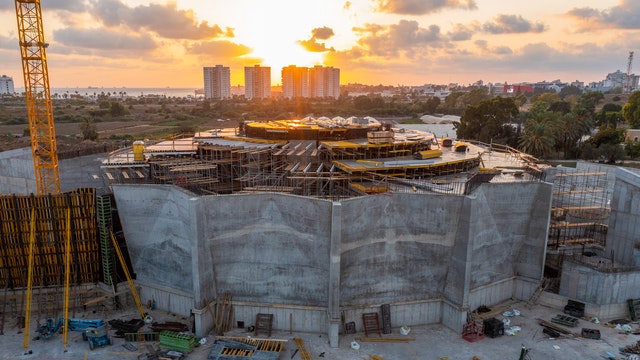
(38, 96)
(97, 336)
(93, 330)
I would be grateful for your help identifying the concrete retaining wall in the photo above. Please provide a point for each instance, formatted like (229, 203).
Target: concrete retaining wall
(432, 257)
(600, 288)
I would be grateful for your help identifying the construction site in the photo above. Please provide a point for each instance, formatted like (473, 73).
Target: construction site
(314, 233)
(310, 238)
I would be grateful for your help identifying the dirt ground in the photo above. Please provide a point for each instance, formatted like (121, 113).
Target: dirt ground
(69, 135)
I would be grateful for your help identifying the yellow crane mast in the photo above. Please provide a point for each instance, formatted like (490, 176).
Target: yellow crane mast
(38, 96)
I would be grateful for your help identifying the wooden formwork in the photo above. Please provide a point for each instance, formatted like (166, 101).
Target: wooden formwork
(50, 213)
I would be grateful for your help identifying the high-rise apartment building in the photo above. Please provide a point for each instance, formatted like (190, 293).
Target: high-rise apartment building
(217, 82)
(313, 82)
(295, 82)
(257, 82)
(6, 85)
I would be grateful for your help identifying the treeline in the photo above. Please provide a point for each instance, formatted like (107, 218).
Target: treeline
(566, 125)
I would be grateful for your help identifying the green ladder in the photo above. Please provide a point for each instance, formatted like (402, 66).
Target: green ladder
(104, 226)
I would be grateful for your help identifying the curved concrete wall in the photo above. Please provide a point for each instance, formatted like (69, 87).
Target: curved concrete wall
(278, 250)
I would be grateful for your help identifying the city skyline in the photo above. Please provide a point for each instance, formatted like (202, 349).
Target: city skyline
(141, 43)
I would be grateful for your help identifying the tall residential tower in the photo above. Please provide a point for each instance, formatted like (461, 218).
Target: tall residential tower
(257, 82)
(316, 82)
(217, 82)
(6, 85)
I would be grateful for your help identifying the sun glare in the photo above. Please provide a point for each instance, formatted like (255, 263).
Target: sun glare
(280, 56)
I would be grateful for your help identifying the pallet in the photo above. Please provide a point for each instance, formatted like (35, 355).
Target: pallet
(264, 322)
(565, 320)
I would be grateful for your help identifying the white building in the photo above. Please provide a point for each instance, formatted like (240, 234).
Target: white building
(257, 82)
(6, 85)
(217, 82)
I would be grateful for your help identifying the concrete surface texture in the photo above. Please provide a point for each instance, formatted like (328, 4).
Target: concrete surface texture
(429, 342)
(17, 173)
(278, 250)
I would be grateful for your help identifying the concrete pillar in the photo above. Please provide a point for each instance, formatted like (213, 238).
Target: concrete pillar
(624, 222)
(456, 294)
(333, 306)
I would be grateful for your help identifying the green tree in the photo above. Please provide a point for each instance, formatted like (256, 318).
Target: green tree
(89, 130)
(590, 99)
(570, 90)
(116, 109)
(489, 121)
(631, 110)
(542, 102)
(540, 132)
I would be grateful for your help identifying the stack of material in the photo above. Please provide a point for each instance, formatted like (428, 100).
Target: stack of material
(176, 341)
(631, 349)
(380, 137)
(223, 314)
(169, 326)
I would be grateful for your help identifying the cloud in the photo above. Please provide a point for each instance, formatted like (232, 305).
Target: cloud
(509, 24)
(461, 32)
(312, 45)
(485, 49)
(71, 6)
(220, 48)
(626, 15)
(8, 43)
(102, 41)
(421, 7)
(165, 20)
(405, 37)
(323, 33)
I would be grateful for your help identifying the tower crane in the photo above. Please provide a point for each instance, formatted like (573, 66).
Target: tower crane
(38, 96)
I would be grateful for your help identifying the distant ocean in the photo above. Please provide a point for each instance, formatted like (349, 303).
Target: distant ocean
(122, 91)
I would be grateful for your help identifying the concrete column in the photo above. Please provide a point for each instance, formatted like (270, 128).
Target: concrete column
(624, 222)
(204, 286)
(456, 294)
(333, 306)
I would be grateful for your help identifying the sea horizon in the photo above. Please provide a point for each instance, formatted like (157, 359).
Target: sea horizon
(122, 91)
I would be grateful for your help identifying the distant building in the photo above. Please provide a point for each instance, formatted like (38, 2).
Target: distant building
(316, 82)
(295, 82)
(6, 85)
(632, 135)
(257, 82)
(516, 89)
(217, 82)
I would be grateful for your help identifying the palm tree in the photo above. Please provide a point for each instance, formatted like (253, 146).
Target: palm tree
(540, 133)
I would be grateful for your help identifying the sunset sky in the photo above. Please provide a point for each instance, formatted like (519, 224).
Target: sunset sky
(140, 43)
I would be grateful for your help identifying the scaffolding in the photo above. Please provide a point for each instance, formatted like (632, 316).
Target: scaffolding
(306, 159)
(580, 207)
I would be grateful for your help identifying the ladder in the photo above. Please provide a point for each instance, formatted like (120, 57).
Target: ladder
(304, 354)
(536, 294)
(104, 226)
(371, 323)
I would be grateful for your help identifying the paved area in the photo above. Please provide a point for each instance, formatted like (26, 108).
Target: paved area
(427, 342)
